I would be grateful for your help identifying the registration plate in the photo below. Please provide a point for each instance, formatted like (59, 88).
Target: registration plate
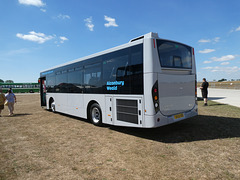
(178, 116)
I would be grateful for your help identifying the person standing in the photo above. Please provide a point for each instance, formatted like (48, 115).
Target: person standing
(2, 100)
(11, 98)
(204, 88)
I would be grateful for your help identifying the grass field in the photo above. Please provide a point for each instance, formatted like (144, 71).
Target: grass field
(38, 144)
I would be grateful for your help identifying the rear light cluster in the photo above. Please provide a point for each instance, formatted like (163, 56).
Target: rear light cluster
(196, 89)
(155, 96)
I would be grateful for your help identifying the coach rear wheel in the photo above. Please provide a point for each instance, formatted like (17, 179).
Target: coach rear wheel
(96, 114)
(52, 105)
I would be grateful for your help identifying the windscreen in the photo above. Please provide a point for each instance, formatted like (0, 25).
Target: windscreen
(174, 55)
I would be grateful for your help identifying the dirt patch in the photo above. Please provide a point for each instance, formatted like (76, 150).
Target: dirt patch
(38, 144)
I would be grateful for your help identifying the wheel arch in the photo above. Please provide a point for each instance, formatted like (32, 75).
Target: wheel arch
(89, 106)
(51, 100)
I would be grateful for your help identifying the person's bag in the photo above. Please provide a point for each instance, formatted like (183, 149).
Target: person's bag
(6, 103)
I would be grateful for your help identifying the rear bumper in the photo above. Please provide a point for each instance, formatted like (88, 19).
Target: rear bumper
(161, 120)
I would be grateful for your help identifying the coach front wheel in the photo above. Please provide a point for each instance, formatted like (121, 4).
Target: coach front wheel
(96, 114)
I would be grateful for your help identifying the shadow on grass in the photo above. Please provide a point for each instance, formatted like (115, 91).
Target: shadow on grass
(217, 105)
(19, 114)
(210, 98)
(198, 128)
(23, 114)
(215, 98)
(194, 129)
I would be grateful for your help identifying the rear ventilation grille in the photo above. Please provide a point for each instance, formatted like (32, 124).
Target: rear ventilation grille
(127, 110)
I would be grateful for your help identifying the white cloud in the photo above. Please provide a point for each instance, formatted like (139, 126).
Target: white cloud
(232, 30)
(237, 29)
(204, 40)
(18, 51)
(214, 40)
(43, 10)
(205, 51)
(207, 62)
(37, 3)
(227, 70)
(89, 23)
(111, 22)
(62, 39)
(35, 37)
(208, 68)
(224, 58)
(62, 16)
(224, 63)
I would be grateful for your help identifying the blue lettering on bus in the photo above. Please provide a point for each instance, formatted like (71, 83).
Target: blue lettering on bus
(112, 88)
(113, 85)
(116, 83)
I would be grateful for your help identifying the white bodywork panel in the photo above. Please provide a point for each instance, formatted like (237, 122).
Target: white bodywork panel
(176, 93)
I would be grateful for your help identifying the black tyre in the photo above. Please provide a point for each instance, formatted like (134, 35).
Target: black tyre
(95, 114)
(52, 105)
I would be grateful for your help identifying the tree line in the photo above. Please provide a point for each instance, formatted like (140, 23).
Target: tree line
(7, 81)
(223, 79)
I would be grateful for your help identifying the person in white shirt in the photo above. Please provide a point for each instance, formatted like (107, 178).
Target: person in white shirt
(11, 98)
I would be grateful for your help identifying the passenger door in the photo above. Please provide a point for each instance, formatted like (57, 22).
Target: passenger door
(43, 91)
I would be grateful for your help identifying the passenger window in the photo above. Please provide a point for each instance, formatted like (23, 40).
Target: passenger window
(62, 82)
(75, 81)
(114, 71)
(92, 78)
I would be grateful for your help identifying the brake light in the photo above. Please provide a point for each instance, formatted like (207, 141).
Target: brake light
(155, 97)
(196, 85)
(193, 51)
(196, 89)
(154, 43)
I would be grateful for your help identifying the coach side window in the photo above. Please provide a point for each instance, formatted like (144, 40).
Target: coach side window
(50, 84)
(75, 80)
(61, 82)
(114, 69)
(92, 78)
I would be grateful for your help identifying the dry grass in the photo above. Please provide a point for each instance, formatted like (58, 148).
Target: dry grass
(38, 144)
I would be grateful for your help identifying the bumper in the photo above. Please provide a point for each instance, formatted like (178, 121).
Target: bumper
(161, 120)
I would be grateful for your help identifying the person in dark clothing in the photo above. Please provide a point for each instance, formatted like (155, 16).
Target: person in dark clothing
(204, 88)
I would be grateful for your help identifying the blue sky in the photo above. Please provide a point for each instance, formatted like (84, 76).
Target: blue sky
(38, 34)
